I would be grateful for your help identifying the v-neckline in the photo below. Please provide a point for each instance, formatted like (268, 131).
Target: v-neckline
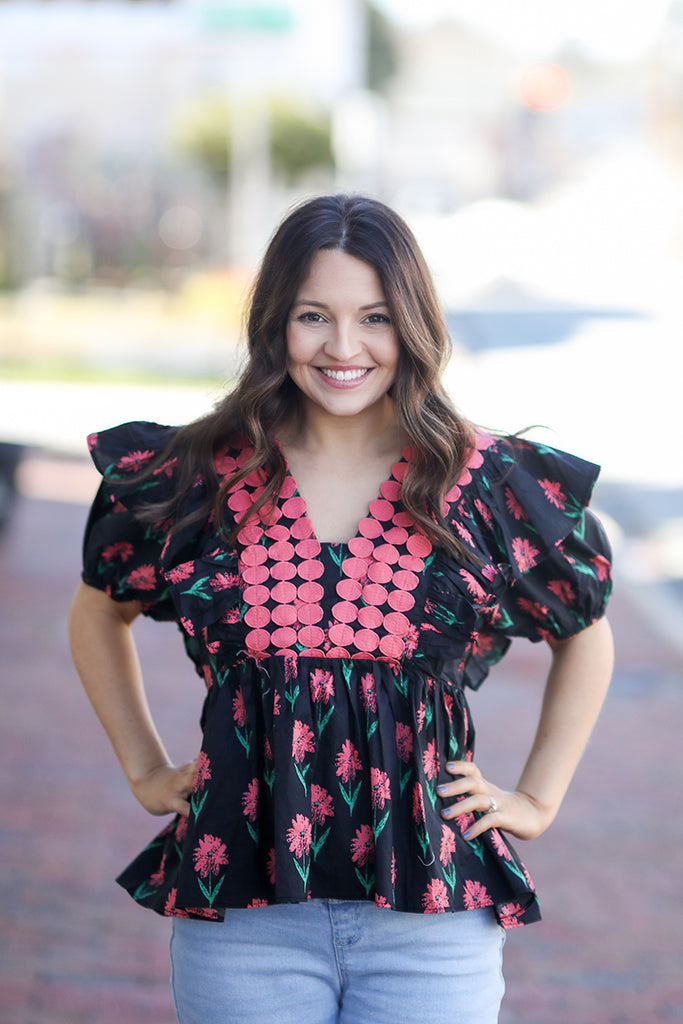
(392, 478)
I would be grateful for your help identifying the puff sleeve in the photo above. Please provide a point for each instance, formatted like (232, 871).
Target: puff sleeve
(121, 552)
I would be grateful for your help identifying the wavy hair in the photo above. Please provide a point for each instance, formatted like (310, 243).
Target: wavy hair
(265, 398)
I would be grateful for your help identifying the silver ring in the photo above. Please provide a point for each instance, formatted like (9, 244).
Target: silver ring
(493, 805)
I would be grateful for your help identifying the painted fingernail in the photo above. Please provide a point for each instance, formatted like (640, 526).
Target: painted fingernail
(442, 790)
(466, 835)
(452, 766)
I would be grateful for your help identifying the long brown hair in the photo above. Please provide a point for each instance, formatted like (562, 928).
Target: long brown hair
(265, 398)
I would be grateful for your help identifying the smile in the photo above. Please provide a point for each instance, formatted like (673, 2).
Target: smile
(343, 374)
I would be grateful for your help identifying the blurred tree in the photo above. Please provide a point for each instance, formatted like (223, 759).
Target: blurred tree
(380, 53)
(299, 138)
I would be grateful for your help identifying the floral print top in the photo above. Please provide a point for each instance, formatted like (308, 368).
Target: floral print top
(336, 673)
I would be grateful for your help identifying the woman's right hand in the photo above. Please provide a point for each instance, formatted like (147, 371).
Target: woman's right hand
(166, 789)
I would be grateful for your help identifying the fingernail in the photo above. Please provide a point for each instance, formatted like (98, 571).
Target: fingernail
(466, 835)
(441, 790)
(452, 766)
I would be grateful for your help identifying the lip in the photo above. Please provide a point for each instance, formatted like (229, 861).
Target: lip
(343, 384)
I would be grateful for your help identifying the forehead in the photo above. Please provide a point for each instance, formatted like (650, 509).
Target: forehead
(336, 273)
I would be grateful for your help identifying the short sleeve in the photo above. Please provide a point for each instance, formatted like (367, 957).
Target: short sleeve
(121, 551)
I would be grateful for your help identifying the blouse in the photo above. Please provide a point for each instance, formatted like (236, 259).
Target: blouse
(336, 673)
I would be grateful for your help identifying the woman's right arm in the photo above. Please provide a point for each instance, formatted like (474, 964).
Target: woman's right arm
(106, 659)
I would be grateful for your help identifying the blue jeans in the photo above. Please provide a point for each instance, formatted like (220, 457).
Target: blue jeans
(334, 962)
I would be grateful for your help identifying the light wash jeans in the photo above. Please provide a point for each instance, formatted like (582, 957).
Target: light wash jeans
(335, 962)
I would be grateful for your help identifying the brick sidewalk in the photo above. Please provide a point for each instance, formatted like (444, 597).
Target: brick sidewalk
(77, 951)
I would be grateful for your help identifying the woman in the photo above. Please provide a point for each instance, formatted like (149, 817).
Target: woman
(343, 554)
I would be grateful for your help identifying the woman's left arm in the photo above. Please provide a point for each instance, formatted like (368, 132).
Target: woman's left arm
(575, 690)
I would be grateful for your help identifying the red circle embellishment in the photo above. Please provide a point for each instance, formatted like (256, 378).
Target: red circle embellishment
(283, 571)
(257, 640)
(453, 494)
(308, 548)
(281, 551)
(405, 580)
(375, 594)
(311, 636)
(257, 617)
(361, 547)
(396, 535)
(255, 574)
(284, 592)
(419, 546)
(366, 640)
(310, 652)
(411, 562)
(370, 617)
(311, 569)
(285, 636)
(396, 622)
(391, 646)
(344, 611)
(403, 519)
(400, 600)
(399, 471)
(380, 572)
(370, 528)
(309, 614)
(381, 509)
(340, 634)
(284, 615)
(301, 528)
(391, 490)
(255, 478)
(349, 590)
(288, 487)
(354, 568)
(240, 501)
(310, 592)
(386, 553)
(250, 534)
(244, 456)
(294, 507)
(338, 652)
(256, 595)
(255, 554)
(277, 532)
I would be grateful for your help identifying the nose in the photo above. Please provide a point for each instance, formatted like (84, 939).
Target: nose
(343, 342)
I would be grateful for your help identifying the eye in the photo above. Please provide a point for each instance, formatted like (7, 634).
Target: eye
(311, 318)
(377, 318)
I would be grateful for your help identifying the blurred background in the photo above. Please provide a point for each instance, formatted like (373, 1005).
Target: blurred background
(147, 150)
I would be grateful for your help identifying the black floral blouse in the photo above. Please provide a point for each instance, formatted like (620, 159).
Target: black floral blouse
(335, 673)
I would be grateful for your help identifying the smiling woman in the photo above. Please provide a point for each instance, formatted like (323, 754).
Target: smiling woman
(344, 555)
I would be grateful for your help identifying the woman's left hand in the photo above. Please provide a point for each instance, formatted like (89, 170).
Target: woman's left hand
(515, 812)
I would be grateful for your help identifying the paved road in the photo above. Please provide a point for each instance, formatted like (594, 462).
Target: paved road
(77, 951)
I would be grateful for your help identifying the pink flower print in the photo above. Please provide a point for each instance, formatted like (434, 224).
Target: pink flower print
(231, 616)
(181, 829)
(513, 506)
(525, 554)
(368, 692)
(464, 533)
(499, 844)
(253, 904)
(448, 704)
(223, 581)
(322, 805)
(381, 901)
(157, 878)
(435, 899)
(563, 590)
(270, 866)
(267, 750)
(404, 741)
(430, 760)
(239, 709)
(421, 711)
(209, 856)
(134, 460)
(166, 468)
(143, 578)
(250, 801)
(553, 492)
(602, 567)
(509, 915)
(418, 804)
(474, 588)
(489, 572)
(187, 625)
(411, 640)
(447, 845)
(123, 550)
(299, 836)
(322, 686)
(463, 821)
(302, 741)
(483, 511)
(380, 788)
(203, 773)
(476, 896)
(393, 866)
(276, 704)
(533, 608)
(363, 846)
(347, 761)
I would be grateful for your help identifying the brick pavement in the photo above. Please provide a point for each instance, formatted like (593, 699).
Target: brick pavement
(76, 950)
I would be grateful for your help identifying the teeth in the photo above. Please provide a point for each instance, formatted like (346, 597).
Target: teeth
(344, 374)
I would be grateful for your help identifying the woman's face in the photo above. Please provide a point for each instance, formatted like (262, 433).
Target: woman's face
(342, 349)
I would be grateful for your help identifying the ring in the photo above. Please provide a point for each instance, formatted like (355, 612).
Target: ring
(493, 805)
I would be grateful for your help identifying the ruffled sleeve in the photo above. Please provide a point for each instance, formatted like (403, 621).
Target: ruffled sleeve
(122, 553)
(556, 547)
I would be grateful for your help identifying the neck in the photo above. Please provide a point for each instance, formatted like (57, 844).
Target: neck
(374, 431)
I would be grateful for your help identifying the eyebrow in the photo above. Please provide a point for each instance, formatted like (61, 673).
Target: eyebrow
(323, 305)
